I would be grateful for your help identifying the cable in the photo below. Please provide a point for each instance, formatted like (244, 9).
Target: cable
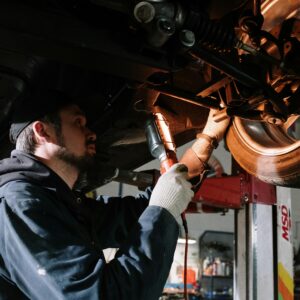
(186, 231)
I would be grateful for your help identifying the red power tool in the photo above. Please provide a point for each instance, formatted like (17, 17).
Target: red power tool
(162, 146)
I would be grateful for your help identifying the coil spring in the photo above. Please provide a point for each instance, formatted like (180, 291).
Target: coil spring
(210, 34)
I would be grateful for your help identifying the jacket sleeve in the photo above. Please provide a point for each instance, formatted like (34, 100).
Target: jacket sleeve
(49, 255)
(118, 216)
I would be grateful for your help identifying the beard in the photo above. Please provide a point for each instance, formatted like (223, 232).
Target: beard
(82, 163)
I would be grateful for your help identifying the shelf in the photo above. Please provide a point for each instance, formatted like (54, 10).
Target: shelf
(216, 256)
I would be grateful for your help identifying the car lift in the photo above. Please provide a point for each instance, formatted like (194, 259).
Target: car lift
(263, 266)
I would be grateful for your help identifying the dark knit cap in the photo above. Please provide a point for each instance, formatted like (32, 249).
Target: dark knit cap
(35, 107)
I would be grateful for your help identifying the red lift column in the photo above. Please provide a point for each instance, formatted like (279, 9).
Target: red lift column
(256, 254)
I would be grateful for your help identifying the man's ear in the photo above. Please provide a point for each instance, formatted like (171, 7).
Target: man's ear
(42, 131)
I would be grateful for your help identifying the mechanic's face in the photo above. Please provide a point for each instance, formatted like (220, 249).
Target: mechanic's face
(76, 141)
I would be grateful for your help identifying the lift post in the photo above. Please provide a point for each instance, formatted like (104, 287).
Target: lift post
(285, 245)
(263, 266)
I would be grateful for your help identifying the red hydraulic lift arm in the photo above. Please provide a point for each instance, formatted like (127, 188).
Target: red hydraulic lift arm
(232, 192)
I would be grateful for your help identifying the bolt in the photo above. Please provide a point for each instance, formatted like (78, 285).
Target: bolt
(246, 198)
(166, 26)
(187, 38)
(275, 121)
(144, 12)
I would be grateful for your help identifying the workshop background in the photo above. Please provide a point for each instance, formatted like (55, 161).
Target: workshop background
(200, 224)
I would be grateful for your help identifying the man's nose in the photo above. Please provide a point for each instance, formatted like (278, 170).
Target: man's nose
(91, 135)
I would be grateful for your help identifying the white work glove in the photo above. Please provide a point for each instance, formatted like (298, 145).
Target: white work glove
(215, 129)
(172, 190)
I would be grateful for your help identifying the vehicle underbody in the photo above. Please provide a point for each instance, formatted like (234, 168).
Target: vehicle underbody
(124, 60)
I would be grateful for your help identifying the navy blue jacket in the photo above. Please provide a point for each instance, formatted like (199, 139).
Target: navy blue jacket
(51, 240)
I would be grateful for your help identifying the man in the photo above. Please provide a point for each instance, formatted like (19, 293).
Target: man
(51, 240)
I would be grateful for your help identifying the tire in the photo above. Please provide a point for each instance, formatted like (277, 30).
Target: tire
(264, 150)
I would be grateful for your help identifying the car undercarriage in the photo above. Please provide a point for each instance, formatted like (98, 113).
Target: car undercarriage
(124, 60)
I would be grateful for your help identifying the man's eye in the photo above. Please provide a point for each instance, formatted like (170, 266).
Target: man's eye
(78, 122)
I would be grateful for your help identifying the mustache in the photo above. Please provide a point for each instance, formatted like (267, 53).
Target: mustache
(90, 143)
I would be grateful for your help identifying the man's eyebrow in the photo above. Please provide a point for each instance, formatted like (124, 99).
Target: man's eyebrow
(79, 112)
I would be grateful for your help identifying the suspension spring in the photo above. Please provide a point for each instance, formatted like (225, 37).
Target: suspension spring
(209, 33)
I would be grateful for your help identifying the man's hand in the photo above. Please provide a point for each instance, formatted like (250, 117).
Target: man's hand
(173, 191)
(215, 129)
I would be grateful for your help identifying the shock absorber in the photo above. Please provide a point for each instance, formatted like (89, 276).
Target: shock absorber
(215, 35)
(209, 33)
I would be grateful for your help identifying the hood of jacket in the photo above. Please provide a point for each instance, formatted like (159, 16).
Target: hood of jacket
(23, 166)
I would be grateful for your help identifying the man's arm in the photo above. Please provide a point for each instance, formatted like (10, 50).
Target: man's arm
(49, 255)
(118, 215)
